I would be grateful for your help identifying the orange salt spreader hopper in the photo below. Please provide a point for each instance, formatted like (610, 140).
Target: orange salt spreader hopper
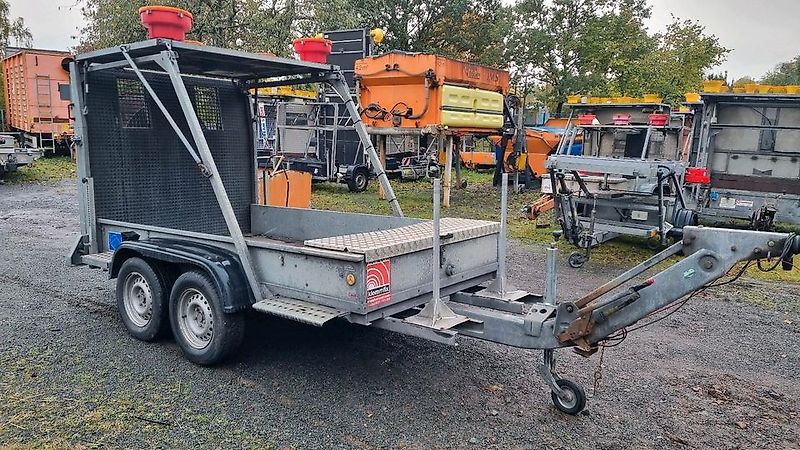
(418, 90)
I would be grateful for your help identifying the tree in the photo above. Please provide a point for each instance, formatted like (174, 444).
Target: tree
(684, 53)
(601, 47)
(253, 25)
(13, 30)
(473, 30)
(580, 45)
(784, 73)
(740, 82)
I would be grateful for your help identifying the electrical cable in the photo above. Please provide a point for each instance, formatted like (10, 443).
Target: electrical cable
(620, 335)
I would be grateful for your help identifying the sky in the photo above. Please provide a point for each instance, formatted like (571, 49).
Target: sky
(760, 33)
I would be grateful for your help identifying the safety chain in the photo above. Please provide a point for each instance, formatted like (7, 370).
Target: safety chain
(598, 372)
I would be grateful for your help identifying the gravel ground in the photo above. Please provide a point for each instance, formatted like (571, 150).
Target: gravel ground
(720, 374)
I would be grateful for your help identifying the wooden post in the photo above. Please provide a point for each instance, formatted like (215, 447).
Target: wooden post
(382, 155)
(448, 171)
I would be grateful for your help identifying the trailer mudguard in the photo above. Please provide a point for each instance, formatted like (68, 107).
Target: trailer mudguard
(220, 264)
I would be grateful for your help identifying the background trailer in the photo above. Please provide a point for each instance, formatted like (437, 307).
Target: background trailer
(750, 146)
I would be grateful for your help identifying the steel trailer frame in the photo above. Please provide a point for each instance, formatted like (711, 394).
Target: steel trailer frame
(439, 265)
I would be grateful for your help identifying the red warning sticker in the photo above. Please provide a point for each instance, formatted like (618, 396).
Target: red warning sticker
(379, 283)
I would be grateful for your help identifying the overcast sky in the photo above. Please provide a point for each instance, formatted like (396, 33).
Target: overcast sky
(760, 33)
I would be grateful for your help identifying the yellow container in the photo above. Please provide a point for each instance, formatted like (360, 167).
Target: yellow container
(751, 88)
(793, 89)
(573, 99)
(764, 88)
(626, 99)
(652, 98)
(712, 85)
(778, 90)
(738, 90)
(692, 97)
(471, 108)
(594, 100)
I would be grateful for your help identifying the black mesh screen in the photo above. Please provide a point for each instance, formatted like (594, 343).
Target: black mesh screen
(142, 172)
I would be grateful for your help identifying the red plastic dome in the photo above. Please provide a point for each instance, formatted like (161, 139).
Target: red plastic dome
(313, 49)
(166, 22)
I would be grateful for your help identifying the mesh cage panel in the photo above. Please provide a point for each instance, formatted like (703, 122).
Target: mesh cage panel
(142, 172)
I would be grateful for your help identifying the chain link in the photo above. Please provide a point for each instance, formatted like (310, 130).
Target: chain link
(598, 371)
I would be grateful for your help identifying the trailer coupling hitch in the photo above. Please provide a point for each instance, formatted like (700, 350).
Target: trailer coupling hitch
(595, 313)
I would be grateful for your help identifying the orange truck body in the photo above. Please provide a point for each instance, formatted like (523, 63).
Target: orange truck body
(31, 90)
(465, 95)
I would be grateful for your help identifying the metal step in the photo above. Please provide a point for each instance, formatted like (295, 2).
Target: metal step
(298, 310)
(98, 260)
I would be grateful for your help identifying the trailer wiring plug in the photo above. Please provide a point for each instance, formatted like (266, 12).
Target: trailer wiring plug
(790, 248)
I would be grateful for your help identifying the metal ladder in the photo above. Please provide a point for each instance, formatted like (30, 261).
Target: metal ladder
(44, 111)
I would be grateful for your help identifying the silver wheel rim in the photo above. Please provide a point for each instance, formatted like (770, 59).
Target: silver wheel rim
(195, 320)
(570, 398)
(138, 299)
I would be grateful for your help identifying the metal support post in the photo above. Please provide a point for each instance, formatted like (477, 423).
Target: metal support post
(339, 85)
(550, 275)
(436, 314)
(448, 170)
(382, 155)
(170, 65)
(646, 142)
(460, 150)
(499, 288)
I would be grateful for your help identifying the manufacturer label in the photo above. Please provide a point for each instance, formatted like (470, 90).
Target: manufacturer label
(379, 283)
(727, 202)
(639, 215)
(744, 203)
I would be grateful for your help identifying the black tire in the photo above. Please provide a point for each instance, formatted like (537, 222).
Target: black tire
(684, 217)
(359, 181)
(141, 300)
(575, 403)
(576, 260)
(209, 335)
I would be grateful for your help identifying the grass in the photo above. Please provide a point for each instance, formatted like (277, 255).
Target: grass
(55, 400)
(479, 200)
(44, 170)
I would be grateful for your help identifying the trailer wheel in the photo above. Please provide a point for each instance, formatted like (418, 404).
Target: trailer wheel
(575, 398)
(205, 333)
(359, 180)
(576, 260)
(141, 299)
(684, 218)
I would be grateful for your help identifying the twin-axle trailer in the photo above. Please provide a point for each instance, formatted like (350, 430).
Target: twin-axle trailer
(166, 149)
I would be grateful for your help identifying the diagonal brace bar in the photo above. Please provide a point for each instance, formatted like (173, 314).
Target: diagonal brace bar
(340, 86)
(161, 106)
(170, 65)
